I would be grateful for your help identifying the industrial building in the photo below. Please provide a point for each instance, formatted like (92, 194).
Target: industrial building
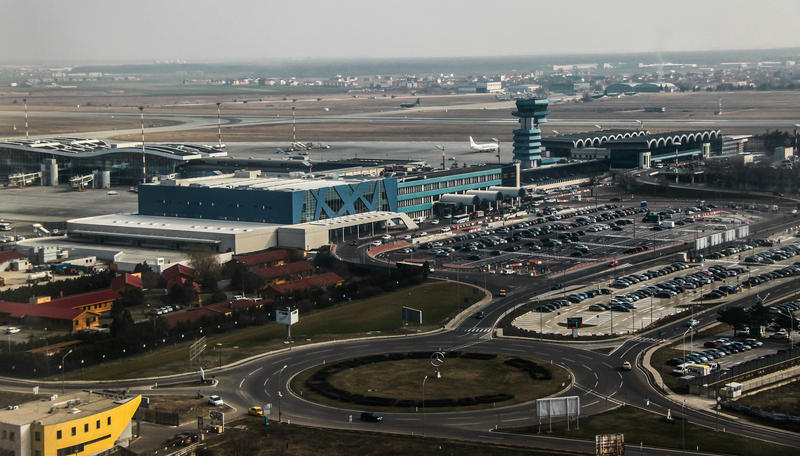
(645, 151)
(77, 424)
(569, 145)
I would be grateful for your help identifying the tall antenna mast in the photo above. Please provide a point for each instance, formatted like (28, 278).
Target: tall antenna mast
(144, 164)
(219, 128)
(294, 130)
(25, 102)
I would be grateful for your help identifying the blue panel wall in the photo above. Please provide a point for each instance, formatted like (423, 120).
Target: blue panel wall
(217, 203)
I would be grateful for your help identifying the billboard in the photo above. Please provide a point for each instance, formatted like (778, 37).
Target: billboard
(287, 317)
(555, 407)
(574, 322)
(410, 315)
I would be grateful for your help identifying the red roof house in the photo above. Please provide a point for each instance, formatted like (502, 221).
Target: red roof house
(269, 258)
(290, 271)
(325, 280)
(125, 281)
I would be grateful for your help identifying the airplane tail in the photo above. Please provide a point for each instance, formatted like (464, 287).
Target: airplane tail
(471, 142)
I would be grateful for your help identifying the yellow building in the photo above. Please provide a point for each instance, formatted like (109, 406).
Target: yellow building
(74, 424)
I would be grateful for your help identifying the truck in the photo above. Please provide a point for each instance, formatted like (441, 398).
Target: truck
(643, 204)
(699, 369)
(41, 276)
(667, 224)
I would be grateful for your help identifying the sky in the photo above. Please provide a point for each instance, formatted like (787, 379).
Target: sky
(115, 31)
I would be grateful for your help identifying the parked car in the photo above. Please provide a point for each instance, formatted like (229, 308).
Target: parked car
(215, 401)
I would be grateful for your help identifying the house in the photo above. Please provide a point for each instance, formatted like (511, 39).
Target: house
(73, 312)
(179, 275)
(326, 280)
(221, 308)
(43, 315)
(284, 273)
(126, 281)
(269, 258)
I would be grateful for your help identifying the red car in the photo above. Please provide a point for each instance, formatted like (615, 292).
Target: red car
(613, 263)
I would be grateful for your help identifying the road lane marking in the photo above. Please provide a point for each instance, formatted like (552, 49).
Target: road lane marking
(515, 419)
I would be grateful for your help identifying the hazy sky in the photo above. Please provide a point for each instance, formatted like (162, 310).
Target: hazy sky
(258, 30)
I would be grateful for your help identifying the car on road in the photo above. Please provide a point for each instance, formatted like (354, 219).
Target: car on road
(386, 237)
(502, 292)
(215, 400)
(255, 411)
(613, 264)
(375, 243)
(692, 323)
(371, 417)
(480, 315)
(12, 330)
(626, 366)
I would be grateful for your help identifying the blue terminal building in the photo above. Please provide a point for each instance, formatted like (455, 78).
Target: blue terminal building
(528, 138)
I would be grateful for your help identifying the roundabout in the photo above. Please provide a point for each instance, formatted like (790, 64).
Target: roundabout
(435, 381)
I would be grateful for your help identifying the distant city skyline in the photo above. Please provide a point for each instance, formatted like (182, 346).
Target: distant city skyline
(251, 30)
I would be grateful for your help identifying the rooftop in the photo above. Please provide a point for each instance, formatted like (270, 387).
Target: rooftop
(169, 223)
(64, 408)
(263, 257)
(251, 181)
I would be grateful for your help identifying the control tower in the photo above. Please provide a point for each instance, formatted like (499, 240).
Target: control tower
(528, 138)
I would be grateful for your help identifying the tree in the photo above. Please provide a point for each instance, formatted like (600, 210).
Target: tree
(121, 320)
(206, 267)
(735, 317)
(759, 315)
(184, 294)
(132, 297)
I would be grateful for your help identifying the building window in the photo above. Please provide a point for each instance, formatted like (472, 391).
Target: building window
(5, 435)
(58, 434)
(11, 436)
(97, 425)
(85, 427)
(73, 430)
(109, 421)
(37, 436)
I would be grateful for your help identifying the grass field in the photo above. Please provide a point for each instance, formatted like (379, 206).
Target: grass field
(640, 426)
(460, 377)
(783, 399)
(366, 317)
(250, 436)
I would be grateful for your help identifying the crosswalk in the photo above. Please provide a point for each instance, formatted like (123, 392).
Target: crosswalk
(477, 330)
(654, 340)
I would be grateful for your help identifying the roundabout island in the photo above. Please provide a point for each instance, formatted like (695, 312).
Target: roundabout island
(430, 381)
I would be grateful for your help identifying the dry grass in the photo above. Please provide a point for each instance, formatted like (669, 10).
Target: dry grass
(460, 377)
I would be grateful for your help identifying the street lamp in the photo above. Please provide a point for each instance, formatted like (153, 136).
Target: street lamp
(423, 404)
(219, 354)
(683, 341)
(62, 369)
(279, 390)
(497, 141)
(791, 327)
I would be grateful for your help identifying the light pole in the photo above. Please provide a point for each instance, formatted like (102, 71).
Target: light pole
(683, 342)
(423, 404)
(676, 144)
(791, 328)
(219, 354)
(62, 369)
(498, 150)
(279, 390)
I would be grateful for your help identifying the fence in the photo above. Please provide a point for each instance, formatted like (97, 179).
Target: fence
(159, 416)
(755, 411)
(709, 384)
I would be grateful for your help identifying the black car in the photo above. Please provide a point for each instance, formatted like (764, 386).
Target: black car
(371, 417)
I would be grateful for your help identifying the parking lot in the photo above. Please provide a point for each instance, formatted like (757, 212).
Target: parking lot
(632, 302)
(557, 239)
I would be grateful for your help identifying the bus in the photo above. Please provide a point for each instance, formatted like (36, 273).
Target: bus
(463, 218)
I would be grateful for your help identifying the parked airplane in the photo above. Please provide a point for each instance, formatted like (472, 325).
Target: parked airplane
(410, 105)
(486, 147)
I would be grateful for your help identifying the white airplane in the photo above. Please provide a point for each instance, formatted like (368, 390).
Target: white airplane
(486, 147)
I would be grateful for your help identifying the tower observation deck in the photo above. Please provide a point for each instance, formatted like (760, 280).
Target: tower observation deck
(528, 138)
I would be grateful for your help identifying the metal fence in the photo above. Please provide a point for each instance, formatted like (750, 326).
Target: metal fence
(742, 372)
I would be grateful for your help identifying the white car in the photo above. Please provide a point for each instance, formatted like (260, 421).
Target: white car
(407, 237)
(386, 237)
(375, 243)
(215, 401)
(434, 222)
(692, 323)
(12, 330)
(445, 230)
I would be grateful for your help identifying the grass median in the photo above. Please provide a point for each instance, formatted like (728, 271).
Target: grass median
(649, 429)
(378, 315)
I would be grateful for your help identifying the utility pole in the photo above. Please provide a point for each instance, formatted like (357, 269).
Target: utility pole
(144, 164)
(25, 102)
(219, 127)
